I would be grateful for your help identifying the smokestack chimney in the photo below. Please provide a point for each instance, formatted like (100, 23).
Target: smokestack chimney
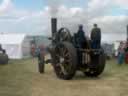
(127, 33)
(53, 26)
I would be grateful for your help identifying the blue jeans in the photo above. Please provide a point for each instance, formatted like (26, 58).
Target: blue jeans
(95, 44)
(121, 58)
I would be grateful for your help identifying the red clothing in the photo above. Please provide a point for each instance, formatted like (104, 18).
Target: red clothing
(42, 50)
(126, 58)
(33, 48)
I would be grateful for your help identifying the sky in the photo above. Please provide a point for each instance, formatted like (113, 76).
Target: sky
(33, 16)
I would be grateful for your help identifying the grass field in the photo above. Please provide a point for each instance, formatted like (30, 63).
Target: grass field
(21, 78)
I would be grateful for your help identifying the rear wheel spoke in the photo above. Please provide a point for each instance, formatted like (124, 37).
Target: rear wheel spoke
(65, 65)
(66, 55)
(65, 52)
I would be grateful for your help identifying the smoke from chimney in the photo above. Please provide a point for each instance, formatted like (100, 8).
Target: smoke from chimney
(54, 7)
(67, 17)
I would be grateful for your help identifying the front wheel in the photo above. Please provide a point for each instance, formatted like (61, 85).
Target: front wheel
(41, 64)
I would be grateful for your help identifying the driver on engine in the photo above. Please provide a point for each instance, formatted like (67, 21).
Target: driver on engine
(81, 37)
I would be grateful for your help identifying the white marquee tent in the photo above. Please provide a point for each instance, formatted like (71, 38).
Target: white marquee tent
(17, 46)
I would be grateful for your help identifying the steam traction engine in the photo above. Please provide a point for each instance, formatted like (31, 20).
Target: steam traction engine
(67, 57)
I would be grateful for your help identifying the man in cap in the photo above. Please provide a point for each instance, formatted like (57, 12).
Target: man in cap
(80, 40)
(96, 37)
(81, 36)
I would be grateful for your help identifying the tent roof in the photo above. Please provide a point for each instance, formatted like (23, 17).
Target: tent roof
(12, 38)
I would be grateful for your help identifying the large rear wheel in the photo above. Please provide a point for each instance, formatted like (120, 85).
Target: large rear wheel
(65, 61)
(99, 68)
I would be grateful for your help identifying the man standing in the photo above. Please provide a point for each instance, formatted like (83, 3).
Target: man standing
(121, 53)
(81, 36)
(80, 41)
(40, 55)
(96, 37)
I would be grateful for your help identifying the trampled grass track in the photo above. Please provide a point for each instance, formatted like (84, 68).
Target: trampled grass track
(21, 78)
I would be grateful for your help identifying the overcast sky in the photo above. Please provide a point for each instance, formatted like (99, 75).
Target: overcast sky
(33, 16)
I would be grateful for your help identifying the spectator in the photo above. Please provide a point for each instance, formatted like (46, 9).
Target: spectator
(33, 49)
(121, 53)
(40, 52)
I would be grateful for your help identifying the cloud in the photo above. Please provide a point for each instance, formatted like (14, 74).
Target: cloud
(113, 27)
(38, 22)
(122, 3)
(111, 24)
(95, 5)
(6, 6)
(98, 8)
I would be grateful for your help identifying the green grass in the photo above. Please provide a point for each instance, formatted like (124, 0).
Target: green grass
(21, 78)
(15, 78)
